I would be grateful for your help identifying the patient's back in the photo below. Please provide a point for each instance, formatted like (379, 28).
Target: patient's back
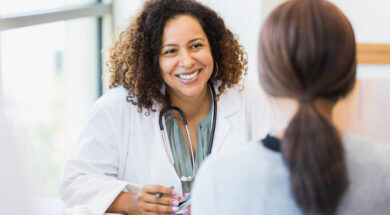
(256, 181)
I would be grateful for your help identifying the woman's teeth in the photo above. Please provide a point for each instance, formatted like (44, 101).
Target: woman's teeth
(189, 76)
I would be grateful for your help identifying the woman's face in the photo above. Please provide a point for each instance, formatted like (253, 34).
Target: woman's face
(185, 59)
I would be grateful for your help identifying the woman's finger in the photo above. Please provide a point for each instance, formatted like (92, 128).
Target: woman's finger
(165, 200)
(153, 189)
(157, 208)
(154, 213)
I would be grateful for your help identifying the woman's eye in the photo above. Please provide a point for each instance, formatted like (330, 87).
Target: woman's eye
(170, 51)
(197, 45)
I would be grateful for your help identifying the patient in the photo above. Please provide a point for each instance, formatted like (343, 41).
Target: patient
(307, 62)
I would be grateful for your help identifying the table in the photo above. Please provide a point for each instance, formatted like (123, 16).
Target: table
(52, 206)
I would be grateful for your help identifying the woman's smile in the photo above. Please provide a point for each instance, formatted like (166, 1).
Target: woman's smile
(189, 77)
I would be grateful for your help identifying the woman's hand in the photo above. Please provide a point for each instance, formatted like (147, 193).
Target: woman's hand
(149, 203)
(188, 210)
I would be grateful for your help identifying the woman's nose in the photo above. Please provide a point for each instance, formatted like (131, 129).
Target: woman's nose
(186, 59)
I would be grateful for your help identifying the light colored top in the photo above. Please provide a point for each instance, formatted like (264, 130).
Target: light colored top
(121, 149)
(181, 154)
(255, 180)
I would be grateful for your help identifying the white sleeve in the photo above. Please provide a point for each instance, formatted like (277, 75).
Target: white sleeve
(89, 176)
(204, 193)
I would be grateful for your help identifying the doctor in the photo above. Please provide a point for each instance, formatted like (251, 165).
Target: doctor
(161, 118)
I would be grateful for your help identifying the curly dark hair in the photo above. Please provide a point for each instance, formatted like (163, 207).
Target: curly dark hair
(134, 57)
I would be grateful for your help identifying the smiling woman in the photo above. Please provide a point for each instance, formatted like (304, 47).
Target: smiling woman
(177, 56)
(186, 61)
(135, 58)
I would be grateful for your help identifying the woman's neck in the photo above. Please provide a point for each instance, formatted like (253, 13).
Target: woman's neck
(195, 108)
(289, 107)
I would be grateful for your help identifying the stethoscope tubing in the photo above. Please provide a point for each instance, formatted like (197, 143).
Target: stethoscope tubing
(211, 141)
(214, 121)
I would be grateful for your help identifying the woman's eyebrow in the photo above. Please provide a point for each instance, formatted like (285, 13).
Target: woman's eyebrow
(165, 45)
(193, 40)
(198, 38)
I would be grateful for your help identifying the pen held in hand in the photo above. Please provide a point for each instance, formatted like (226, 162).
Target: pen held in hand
(158, 195)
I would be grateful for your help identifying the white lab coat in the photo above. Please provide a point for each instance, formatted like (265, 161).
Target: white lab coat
(121, 149)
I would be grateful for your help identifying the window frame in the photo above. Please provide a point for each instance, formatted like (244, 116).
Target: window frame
(97, 9)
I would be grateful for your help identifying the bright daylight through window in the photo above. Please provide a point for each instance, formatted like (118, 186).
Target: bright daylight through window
(50, 75)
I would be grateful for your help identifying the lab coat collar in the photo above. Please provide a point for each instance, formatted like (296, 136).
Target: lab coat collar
(228, 104)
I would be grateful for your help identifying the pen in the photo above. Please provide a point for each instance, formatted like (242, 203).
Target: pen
(158, 195)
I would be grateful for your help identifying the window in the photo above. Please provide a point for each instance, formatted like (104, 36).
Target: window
(50, 75)
(23, 6)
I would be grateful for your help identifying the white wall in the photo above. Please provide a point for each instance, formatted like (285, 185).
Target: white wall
(123, 10)
(268, 6)
(242, 18)
(369, 19)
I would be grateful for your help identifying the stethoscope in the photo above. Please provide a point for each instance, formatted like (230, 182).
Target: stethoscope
(184, 121)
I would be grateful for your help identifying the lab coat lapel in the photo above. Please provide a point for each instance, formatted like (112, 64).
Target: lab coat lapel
(228, 104)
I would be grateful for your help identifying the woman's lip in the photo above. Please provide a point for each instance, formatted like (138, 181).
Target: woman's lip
(188, 73)
(192, 80)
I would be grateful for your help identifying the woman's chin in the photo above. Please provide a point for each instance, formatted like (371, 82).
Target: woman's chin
(193, 91)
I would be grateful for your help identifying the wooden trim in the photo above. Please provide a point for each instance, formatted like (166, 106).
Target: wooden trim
(372, 53)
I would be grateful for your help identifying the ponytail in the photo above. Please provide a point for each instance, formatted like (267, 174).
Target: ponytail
(307, 50)
(313, 152)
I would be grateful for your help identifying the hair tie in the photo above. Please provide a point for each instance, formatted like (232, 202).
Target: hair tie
(305, 100)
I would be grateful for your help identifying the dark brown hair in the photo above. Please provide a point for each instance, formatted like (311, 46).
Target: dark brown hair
(134, 58)
(307, 52)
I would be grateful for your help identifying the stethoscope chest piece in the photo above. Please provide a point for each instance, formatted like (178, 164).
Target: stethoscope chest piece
(186, 179)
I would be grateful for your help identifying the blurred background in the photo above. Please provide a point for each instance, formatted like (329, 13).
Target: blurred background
(52, 55)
